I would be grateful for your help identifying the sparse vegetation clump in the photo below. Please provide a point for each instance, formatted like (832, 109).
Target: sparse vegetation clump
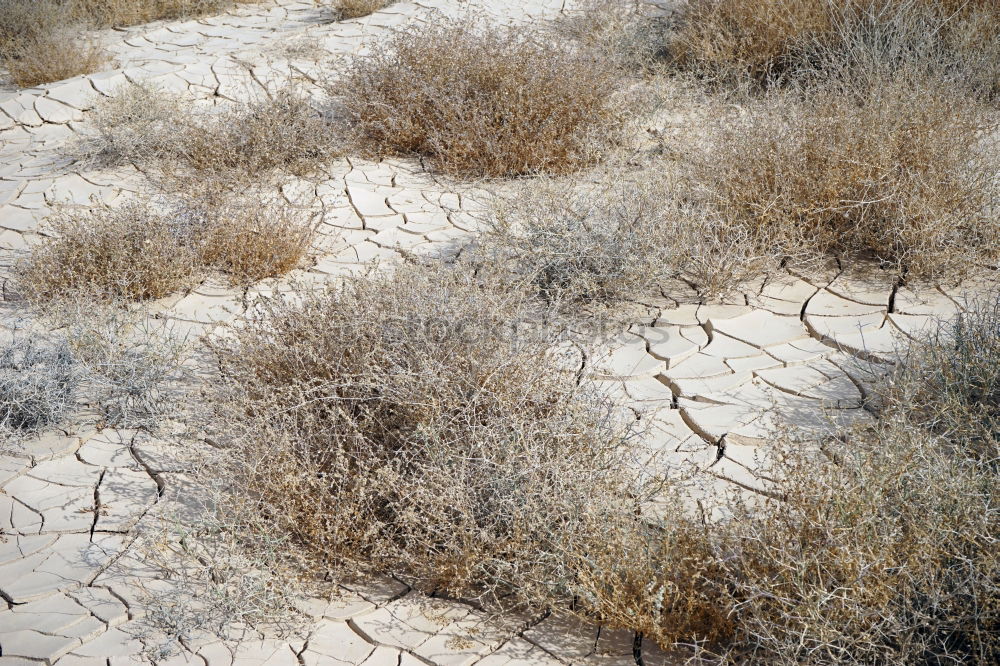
(138, 125)
(863, 130)
(247, 140)
(884, 550)
(622, 31)
(394, 424)
(133, 368)
(350, 9)
(778, 41)
(40, 42)
(248, 236)
(952, 385)
(620, 238)
(67, 53)
(45, 40)
(100, 357)
(132, 252)
(405, 424)
(482, 101)
(584, 244)
(38, 383)
(885, 554)
(235, 142)
(139, 252)
(904, 175)
(117, 13)
(880, 544)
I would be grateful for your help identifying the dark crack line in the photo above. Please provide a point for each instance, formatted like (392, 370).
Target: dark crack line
(124, 602)
(161, 486)
(41, 516)
(97, 503)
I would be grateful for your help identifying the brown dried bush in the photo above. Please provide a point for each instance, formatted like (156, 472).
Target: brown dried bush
(884, 550)
(408, 424)
(481, 100)
(53, 56)
(905, 175)
(249, 139)
(235, 142)
(138, 125)
(248, 236)
(616, 239)
(109, 13)
(46, 40)
(39, 44)
(349, 9)
(951, 385)
(139, 252)
(400, 424)
(857, 40)
(25, 19)
(887, 556)
(622, 31)
(132, 253)
(881, 544)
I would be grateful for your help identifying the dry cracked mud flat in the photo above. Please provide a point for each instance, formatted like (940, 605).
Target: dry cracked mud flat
(714, 378)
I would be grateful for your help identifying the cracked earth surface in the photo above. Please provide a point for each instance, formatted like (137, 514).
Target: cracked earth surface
(714, 379)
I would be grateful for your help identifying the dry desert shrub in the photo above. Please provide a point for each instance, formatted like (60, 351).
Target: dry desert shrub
(53, 56)
(100, 356)
(247, 140)
(116, 13)
(409, 425)
(248, 236)
(139, 252)
(858, 40)
(881, 546)
(398, 424)
(617, 239)
(481, 100)
(623, 31)
(138, 125)
(952, 384)
(37, 16)
(236, 142)
(46, 40)
(38, 384)
(349, 9)
(417, 376)
(885, 550)
(39, 44)
(133, 367)
(585, 244)
(26, 19)
(905, 175)
(887, 555)
(131, 253)
(210, 582)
